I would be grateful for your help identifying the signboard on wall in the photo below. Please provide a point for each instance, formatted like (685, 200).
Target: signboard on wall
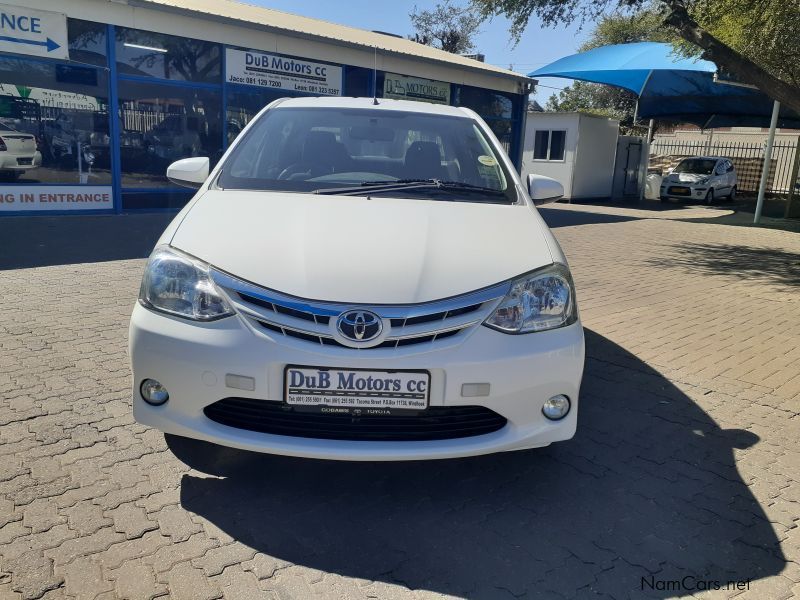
(276, 72)
(37, 32)
(53, 98)
(402, 87)
(42, 198)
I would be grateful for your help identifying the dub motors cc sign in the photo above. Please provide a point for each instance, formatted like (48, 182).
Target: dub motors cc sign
(274, 71)
(402, 87)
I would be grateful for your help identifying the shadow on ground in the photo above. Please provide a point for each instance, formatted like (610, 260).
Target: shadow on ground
(765, 264)
(40, 241)
(555, 217)
(647, 492)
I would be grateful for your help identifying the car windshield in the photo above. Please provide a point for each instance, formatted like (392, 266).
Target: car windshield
(367, 151)
(697, 166)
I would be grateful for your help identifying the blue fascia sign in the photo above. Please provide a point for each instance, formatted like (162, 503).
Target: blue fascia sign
(37, 32)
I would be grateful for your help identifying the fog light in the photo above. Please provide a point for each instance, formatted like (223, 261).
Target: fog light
(556, 407)
(153, 392)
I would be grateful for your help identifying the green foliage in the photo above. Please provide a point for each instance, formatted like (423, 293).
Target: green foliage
(767, 32)
(625, 27)
(447, 27)
(595, 99)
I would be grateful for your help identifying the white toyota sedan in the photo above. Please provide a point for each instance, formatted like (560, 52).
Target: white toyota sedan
(359, 280)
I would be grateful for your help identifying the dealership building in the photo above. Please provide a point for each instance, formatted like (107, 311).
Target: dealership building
(98, 97)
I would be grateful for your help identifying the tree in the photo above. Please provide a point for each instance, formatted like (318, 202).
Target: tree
(448, 27)
(595, 99)
(755, 41)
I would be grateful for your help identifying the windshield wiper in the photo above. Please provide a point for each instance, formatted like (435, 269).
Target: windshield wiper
(376, 187)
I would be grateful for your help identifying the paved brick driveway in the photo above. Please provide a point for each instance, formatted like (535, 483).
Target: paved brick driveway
(686, 462)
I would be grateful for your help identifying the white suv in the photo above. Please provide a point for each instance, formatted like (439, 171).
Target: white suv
(359, 280)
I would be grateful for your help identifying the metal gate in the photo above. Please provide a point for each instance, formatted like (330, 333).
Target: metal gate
(747, 157)
(632, 165)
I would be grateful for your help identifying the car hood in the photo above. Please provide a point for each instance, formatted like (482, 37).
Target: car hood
(352, 249)
(686, 177)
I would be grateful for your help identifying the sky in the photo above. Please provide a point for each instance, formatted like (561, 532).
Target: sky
(538, 46)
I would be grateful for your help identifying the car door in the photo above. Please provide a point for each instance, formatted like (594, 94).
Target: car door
(719, 180)
(731, 171)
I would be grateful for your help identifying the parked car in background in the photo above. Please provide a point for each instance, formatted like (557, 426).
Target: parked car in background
(705, 178)
(18, 152)
(360, 280)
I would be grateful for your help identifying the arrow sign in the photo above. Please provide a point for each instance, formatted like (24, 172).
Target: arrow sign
(49, 44)
(36, 32)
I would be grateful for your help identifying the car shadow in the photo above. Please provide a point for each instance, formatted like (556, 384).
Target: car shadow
(555, 217)
(646, 495)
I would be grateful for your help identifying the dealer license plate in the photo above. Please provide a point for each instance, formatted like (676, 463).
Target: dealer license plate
(355, 391)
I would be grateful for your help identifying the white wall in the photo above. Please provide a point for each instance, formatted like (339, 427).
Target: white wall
(561, 171)
(593, 175)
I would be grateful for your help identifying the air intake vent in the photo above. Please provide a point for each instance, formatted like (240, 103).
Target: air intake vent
(277, 418)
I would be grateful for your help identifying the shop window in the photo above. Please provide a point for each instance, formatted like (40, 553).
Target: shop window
(150, 54)
(87, 42)
(500, 111)
(504, 130)
(488, 104)
(243, 106)
(160, 124)
(358, 82)
(549, 145)
(65, 110)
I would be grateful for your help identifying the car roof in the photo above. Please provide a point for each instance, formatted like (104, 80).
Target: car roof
(369, 103)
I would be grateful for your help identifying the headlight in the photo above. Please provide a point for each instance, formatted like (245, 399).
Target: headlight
(178, 284)
(544, 299)
(703, 181)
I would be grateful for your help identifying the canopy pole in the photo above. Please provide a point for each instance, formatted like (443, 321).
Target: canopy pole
(762, 187)
(646, 151)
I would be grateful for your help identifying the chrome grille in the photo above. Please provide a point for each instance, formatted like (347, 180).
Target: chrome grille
(268, 311)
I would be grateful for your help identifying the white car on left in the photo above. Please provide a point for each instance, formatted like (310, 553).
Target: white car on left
(18, 152)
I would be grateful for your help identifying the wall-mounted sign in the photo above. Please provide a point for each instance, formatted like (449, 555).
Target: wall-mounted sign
(276, 72)
(55, 197)
(403, 87)
(38, 32)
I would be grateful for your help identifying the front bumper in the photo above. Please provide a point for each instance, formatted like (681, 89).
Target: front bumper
(192, 360)
(696, 191)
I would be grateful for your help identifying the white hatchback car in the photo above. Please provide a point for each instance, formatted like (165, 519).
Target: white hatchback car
(359, 281)
(705, 178)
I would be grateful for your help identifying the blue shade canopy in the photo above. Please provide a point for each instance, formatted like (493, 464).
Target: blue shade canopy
(670, 86)
(622, 65)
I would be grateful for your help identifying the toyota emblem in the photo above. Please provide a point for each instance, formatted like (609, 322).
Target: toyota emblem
(359, 325)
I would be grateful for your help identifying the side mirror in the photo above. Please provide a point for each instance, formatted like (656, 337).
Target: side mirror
(189, 172)
(544, 190)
